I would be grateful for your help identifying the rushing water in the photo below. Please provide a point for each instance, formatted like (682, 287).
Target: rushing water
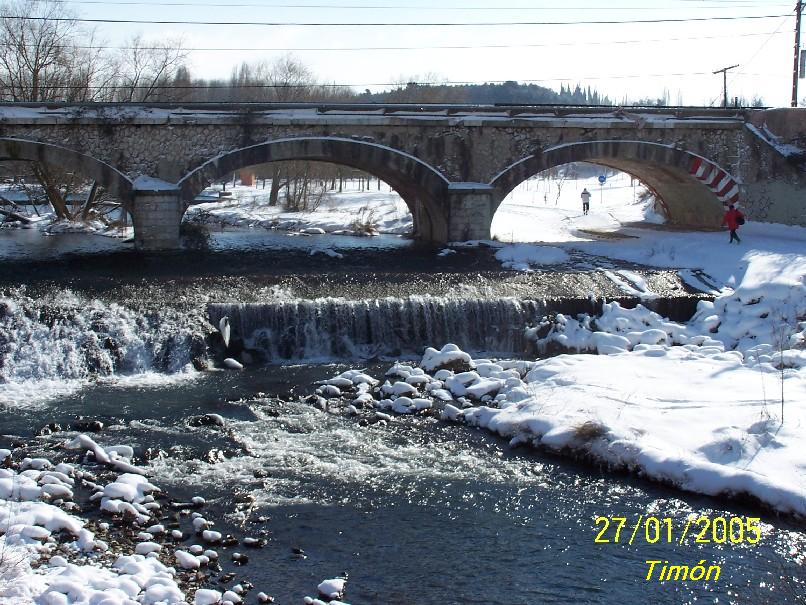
(416, 511)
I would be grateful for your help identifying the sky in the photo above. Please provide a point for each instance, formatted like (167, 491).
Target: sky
(671, 47)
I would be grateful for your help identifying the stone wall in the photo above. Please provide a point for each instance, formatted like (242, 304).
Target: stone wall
(774, 177)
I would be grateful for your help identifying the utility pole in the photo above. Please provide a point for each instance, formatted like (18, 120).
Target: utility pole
(798, 11)
(724, 72)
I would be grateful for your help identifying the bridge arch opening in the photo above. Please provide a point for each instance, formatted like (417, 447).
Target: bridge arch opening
(550, 206)
(689, 190)
(40, 178)
(305, 196)
(420, 187)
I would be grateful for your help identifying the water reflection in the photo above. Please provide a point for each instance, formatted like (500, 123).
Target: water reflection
(31, 245)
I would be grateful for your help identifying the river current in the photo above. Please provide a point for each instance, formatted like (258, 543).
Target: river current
(415, 511)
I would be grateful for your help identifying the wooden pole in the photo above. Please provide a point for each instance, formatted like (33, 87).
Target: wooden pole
(795, 69)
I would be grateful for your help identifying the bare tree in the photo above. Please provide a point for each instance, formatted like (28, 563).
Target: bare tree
(303, 192)
(426, 88)
(290, 80)
(147, 69)
(286, 80)
(36, 49)
(92, 73)
(556, 175)
(46, 56)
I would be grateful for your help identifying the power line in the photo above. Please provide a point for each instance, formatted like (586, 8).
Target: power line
(393, 48)
(734, 3)
(400, 24)
(755, 54)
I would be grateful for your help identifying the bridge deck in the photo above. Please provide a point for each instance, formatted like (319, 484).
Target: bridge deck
(372, 114)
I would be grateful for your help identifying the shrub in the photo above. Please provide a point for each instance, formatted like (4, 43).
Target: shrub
(589, 431)
(195, 236)
(367, 222)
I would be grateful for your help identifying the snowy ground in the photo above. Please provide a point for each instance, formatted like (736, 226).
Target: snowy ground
(341, 212)
(540, 211)
(535, 202)
(42, 218)
(715, 406)
(248, 207)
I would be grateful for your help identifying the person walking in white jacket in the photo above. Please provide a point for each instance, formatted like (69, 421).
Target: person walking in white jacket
(586, 201)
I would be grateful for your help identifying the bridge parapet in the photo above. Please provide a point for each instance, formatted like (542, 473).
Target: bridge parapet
(788, 124)
(120, 114)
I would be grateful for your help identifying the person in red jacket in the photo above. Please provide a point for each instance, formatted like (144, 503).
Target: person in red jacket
(733, 218)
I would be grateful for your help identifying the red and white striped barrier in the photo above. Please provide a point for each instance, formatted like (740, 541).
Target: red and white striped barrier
(717, 180)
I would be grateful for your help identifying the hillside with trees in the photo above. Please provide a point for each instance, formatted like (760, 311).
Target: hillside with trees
(509, 92)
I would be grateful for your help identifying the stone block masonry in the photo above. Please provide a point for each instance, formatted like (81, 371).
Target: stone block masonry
(157, 217)
(471, 207)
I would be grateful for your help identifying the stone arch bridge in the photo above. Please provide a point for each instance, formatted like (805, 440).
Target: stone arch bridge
(452, 164)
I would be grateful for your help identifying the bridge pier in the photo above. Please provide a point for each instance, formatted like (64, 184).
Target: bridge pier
(470, 211)
(157, 214)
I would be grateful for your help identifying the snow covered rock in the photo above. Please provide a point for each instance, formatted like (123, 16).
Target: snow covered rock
(185, 560)
(206, 596)
(452, 413)
(448, 357)
(329, 391)
(332, 589)
(400, 389)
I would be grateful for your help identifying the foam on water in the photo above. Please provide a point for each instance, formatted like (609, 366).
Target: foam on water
(413, 480)
(53, 346)
(296, 448)
(40, 394)
(37, 394)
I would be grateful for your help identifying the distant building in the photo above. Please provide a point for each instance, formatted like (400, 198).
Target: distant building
(247, 178)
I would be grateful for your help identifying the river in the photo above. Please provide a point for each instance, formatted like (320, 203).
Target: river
(416, 511)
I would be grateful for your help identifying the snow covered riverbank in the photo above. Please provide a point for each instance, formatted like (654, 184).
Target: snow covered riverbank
(715, 406)
(659, 399)
(700, 416)
(43, 528)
